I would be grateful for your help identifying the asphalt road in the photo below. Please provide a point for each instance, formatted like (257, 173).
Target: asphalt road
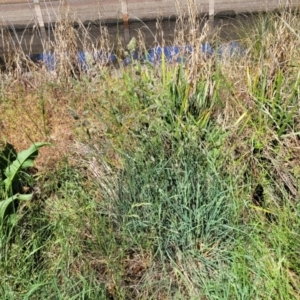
(23, 12)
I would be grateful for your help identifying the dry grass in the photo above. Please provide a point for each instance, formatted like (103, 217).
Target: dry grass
(167, 181)
(27, 117)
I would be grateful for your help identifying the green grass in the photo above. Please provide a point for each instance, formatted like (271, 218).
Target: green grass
(180, 181)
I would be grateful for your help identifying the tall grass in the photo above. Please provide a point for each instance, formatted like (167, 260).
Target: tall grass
(167, 181)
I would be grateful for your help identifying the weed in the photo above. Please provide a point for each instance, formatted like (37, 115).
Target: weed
(12, 166)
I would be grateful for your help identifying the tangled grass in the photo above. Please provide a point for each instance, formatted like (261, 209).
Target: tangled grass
(167, 181)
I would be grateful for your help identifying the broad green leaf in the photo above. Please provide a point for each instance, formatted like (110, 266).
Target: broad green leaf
(25, 159)
(25, 197)
(4, 205)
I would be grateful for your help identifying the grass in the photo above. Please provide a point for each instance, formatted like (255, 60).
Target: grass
(167, 181)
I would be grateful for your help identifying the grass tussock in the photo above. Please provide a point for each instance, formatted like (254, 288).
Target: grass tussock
(164, 181)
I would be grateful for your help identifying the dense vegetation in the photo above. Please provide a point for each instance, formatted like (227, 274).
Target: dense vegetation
(162, 181)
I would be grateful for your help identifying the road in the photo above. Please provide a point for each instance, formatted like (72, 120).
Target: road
(24, 12)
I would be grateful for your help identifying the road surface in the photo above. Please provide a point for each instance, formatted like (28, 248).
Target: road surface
(25, 12)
